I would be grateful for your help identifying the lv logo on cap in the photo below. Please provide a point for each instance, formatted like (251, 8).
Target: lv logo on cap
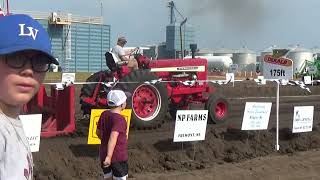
(32, 31)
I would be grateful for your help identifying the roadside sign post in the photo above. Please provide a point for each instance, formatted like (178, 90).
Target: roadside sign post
(230, 78)
(32, 127)
(233, 69)
(278, 99)
(277, 68)
(302, 119)
(312, 70)
(256, 116)
(190, 125)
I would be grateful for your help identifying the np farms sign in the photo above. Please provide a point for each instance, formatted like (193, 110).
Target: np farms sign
(190, 125)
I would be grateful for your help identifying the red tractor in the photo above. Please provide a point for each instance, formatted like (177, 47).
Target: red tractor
(158, 87)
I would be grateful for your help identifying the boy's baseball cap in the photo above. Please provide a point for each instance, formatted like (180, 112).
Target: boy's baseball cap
(20, 32)
(117, 97)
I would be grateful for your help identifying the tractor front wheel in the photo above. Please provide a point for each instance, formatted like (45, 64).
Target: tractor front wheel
(218, 108)
(149, 102)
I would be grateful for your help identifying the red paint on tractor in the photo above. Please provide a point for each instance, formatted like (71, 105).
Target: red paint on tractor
(220, 110)
(58, 110)
(144, 102)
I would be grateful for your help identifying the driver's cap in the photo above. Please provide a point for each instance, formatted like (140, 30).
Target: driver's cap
(122, 39)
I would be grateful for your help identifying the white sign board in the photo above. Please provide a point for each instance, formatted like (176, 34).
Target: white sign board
(262, 80)
(32, 128)
(233, 68)
(302, 119)
(68, 77)
(307, 80)
(190, 125)
(230, 77)
(312, 69)
(277, 68)
(256, 116)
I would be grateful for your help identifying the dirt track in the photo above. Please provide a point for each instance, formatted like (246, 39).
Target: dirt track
(227, 152)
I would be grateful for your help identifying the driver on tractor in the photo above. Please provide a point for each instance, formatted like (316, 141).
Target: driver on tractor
(124, 56)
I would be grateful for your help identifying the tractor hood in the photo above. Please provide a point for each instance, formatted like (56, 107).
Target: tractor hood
(179, 65)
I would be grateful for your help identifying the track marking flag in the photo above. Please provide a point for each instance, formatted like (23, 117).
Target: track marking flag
(94, 118)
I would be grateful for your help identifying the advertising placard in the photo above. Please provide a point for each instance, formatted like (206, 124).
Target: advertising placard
(233, 68)
(277, 68)
(68, 77)
(190, 125)
(307, 80)
(302, 119)
(32, 128)
(256, 116)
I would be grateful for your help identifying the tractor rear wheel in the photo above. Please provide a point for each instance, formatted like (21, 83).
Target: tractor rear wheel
(149, 102)
(88, 89)
(218, 108)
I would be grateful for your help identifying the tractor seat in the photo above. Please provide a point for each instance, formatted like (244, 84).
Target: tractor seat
(113, 62)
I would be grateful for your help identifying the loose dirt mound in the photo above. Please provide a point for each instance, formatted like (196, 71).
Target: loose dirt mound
(68, 158)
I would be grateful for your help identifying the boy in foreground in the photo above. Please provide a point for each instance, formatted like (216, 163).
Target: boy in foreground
(25, 56)
(111, 129)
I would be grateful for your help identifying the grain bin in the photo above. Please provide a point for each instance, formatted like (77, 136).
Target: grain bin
(223, 52)
(267, 51)
(216, 63)
(246, 59)
(316, 51)
(299, 55)
(204, 52)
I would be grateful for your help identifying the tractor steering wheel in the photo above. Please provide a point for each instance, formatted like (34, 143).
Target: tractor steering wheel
(134, 52)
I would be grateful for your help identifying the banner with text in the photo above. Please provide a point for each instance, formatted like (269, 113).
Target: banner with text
(32, 128)
(256, 116)
(190, 125)
(302, 119)
(277, 68)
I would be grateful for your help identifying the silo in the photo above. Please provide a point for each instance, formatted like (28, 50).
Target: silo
(316, 51)
(216, 63)
(204, 52)
(299, 55)
(246, 59)
(267, 51)
(223, 52)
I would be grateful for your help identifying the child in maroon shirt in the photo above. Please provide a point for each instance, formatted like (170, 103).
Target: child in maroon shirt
(111, 129)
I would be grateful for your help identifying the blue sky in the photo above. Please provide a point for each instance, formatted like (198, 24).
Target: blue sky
(256, 24)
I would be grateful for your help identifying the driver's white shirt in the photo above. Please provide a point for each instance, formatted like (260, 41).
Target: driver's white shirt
(118, 50)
